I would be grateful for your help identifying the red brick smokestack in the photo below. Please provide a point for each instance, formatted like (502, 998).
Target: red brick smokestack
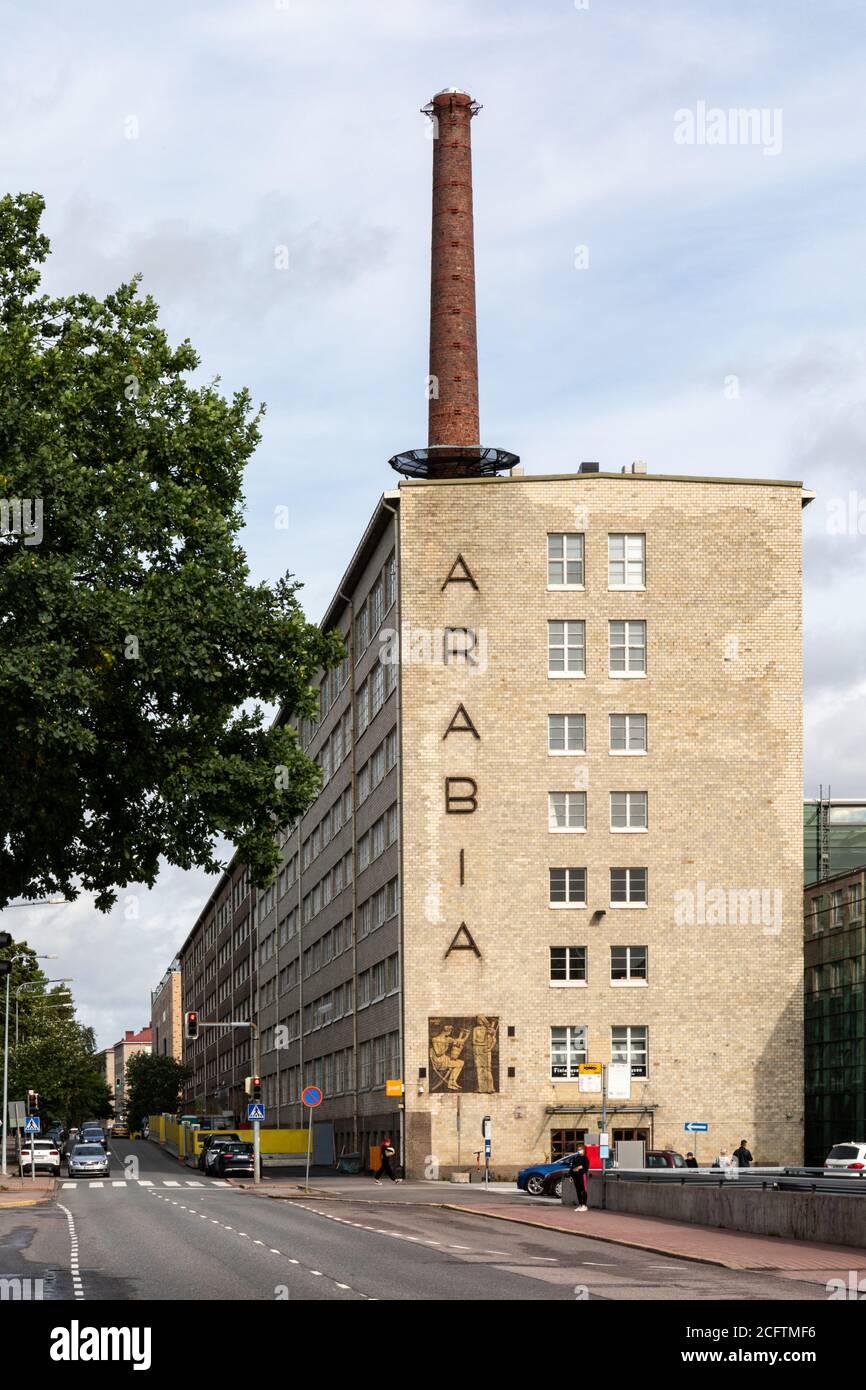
(453, 411)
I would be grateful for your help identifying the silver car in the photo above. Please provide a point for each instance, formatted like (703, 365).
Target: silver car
(88, 1161)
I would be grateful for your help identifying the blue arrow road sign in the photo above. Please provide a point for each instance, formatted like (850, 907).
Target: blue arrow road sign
(255, 1110)
(32, 1124)
(695, 1127)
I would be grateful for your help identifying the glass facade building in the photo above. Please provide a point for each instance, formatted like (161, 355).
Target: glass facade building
(841, 827)
(835, 1012)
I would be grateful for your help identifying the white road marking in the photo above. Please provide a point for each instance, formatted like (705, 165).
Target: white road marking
(171, 1183)
(77, 1283)
(119, 1184)
(97, 1184)
(146, 1182)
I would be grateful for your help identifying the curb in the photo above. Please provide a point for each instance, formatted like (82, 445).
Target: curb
(618, 1240)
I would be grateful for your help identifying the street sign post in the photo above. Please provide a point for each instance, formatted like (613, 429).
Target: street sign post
(311, 1096)
(32, 1125)
(487, 1135)
(695, 1127)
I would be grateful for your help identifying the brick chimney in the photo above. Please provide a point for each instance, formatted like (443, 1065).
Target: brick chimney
(453, 385)
(453, 448)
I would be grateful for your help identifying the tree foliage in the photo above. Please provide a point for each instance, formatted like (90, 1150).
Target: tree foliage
(153, 1086)
(133, 648)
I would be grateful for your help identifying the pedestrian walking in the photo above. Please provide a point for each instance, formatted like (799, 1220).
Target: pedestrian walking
(691, 1161)
(578, 1166)
(386, 1153)
(742, 1157)
(724, 1160)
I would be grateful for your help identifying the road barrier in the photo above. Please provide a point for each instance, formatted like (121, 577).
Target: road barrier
(795, 1204)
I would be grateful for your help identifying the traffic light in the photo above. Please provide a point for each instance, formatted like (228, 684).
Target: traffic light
(253, 1087)
(5, 965)
(191, 1030)
(117, 1084)
(32, 1102)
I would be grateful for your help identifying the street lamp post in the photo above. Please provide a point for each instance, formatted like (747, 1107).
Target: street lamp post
(4, 1119)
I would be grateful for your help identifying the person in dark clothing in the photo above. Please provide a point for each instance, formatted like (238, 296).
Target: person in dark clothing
(742, 1156)
(691, 1161)
(578, 1166)
(386, 1153)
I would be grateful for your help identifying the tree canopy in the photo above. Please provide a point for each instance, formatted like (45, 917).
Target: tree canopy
(134, 650)
(153, 1086)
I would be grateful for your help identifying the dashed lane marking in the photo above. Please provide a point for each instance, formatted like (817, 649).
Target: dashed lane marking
(74, 1270)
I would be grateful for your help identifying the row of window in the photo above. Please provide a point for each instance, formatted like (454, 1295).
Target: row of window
(374, 842)
(626, 560)
(380, 761)
(566, 648)
(332, 883)
(378, 1059)
(338, 815)
(628, 965)
(628, 887)
(369, 615)
(374, 691)
(566, 733)
(566, 811)
(845, 909)
(629, 1044)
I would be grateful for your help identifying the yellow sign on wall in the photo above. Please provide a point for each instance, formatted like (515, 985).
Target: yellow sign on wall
(590, 1068)
(393, 1088)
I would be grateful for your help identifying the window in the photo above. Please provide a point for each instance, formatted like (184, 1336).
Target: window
(629, 1045)
(565, 1141)
(363, 708)
(628, 964)
(626, 562)
(819, 903)
(390, 578)
(566, 733)
(855, 902)
(627, 649)
(377, 689)
(567, 1051)
(628, 733)
(377, 606)
(361, 630)
(566, 811)
(377, 838)
(838, 901)
(363, 851)
(391, 749)
(364, 783)
(628, 811)
(566, 648)
(564, 561)
(568, 965)
(377, 765)
(628, 887)
(568, 887)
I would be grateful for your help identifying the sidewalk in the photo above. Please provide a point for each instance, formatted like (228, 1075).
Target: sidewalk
(25, 1192)
(364, 1189)
(733, 1249)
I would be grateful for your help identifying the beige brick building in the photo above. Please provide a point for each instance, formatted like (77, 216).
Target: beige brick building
(696, 983)
(166, 1023)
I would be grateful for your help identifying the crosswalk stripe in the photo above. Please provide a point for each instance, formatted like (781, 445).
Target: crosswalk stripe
(171, 1184)
(119, 1184)
(193, 1182)
(97, 1184)
(145, 1182)
(70, 1184)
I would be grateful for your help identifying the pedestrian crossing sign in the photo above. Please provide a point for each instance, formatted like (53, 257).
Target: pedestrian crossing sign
(31, 1124)
(255, 1110)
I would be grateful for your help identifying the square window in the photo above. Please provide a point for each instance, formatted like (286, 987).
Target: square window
(566, 648)
(567, 1051)
(566, 733)
(626, 561)
(567, 965)
(566, 811)
(628, 887)
(628, 963)
(564, 560)
(628, 733)
(628, 810)
(567, 887)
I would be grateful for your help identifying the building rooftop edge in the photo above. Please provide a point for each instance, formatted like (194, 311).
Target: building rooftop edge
(622, 477)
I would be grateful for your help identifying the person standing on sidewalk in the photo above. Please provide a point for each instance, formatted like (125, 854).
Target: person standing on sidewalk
(386, 1153)
(578, 1166)
(691, 1161)
(742, 1157)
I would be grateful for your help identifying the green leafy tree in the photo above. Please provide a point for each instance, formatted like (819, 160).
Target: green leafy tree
(153, 1086)
(58, 1060)
(134, 648)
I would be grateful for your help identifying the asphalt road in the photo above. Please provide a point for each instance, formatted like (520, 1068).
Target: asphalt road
(157, 1230)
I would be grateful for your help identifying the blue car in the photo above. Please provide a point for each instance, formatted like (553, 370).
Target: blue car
(531, 1179)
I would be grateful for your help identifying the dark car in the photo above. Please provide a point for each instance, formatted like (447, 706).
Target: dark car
(232, 1160)
(664, 1158)
(219, 1137)
(93, 1134)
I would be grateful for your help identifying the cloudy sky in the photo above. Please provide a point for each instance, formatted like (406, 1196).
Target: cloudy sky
(717, 328)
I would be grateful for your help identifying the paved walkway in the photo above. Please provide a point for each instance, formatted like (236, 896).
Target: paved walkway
(734, 1249)
(16, 1191)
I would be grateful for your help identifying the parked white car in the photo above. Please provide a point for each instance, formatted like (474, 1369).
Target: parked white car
(850, 1156)
(46, 1154)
